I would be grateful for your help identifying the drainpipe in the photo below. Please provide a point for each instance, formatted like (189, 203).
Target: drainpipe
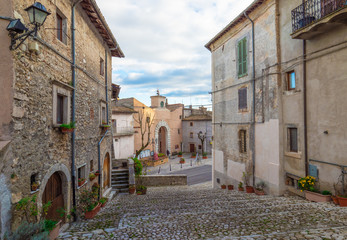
(305, 108)
(253, 112)
(106, 85)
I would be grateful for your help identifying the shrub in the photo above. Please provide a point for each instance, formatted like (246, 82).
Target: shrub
(71, 125)
(193, 154)
(240, 184)
(325, 192)
(49, 225)
(103, 200)
(307, 183)
(137, 167)
(204, 154)
(161, 154)
(180, 153)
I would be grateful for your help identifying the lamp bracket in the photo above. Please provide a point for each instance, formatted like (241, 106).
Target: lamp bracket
(21, 37)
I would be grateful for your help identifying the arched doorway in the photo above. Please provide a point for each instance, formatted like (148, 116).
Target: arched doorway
(54, 193)
(162, 137)
(106, 171)
(162, 140)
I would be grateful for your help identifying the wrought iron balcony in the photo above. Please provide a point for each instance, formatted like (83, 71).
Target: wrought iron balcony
(313, 11)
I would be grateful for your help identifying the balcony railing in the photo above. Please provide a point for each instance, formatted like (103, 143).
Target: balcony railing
(123, 130)
(314, 10)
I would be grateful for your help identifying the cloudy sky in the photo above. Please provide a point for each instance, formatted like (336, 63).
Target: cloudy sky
(163, 42)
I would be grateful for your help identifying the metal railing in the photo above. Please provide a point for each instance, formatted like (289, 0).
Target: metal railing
(313, 10)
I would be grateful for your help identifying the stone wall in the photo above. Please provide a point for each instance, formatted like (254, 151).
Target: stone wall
(164, 180)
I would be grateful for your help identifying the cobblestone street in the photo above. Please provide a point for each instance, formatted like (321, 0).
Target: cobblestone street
(198, 212)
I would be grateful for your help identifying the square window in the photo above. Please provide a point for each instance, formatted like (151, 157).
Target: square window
(242, 93)
(293, 139)
(191, 124)
(102, 67)
(243, 141)
(291, 83)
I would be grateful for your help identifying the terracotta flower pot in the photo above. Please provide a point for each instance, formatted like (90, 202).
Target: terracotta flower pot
(180, 155)
(96, 174)
(81, 183)
(317, 197)
(335, 200)
(249, 189)
(34, 188)
(259, 192)
(67, 130)
(132, 190)
(54, 233)
(204, 157)
(139, 193)
(92, 178)
(230, 187)
(342, 201)
(223, 186)
(91, 214)
(241, 189)
(182, 162)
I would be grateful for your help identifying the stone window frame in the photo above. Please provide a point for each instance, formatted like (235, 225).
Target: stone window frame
(63, 25)
(242, 108)
(288, 82)
(65, 90)
(242, 139)
(84, 168)
(102, 67)
(288, 151)
(101, 117)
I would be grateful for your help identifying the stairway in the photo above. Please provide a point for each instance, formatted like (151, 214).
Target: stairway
(120, 180)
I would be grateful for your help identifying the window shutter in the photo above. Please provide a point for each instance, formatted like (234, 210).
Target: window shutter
(239, 47)
(244, 56)
(293, 132)
(242, 98)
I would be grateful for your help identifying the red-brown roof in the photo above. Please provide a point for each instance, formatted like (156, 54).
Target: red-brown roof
(95, 15)
(121, 109)
(198, 118)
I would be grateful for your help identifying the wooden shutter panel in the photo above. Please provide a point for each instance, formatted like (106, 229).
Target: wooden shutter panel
(244, 56)
(293, 134)
(243, 98)
(239, 48)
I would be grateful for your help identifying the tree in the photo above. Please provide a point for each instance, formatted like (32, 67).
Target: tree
(145, 120)
(202, 138)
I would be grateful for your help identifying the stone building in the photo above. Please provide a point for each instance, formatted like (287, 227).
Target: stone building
(166, 130)
(195, 121)
(60, 76)
(277, 100)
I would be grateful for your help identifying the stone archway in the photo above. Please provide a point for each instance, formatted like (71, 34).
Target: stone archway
(62, 171)
(162, 125)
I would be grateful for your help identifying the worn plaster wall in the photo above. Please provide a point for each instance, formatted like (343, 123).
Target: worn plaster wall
(204, 126)
(123, 135)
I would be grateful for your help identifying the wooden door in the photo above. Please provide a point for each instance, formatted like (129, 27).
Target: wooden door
(192, 148)
(106, 171)
(54, 193)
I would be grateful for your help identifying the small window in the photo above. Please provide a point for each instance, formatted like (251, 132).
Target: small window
(191, 124)
(102, 67)
(61, 105)
(191, 135)
(242, 57)
(81, 172)
(33, 182)
(91, 166)
(180, 116)
(61, 27)
(293, 139)
(291, 83)
(199, 147)
(243, 141)
(103, 113)
(179, 131)
(242, 98)
(60, 108)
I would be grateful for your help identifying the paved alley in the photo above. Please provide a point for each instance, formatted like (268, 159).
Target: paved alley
(199, 212)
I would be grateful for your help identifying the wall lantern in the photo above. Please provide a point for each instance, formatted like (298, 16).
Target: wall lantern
(37, 16)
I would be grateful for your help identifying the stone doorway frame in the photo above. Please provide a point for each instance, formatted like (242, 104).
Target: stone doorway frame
(168, 135)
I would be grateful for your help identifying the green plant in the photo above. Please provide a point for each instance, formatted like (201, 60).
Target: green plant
(307, 183)
(71, 125)
(13, 175)
(325, 192)
(49, 225)
(62, 213)
(137, 167)
(161, 154)
(240, 185)
(180, 153)
(92, 176)
(245, 177)
(204, 154)
(140, 187)
(194, 154)
(81, 180)
(27, 230)
(88, 200)
(103, 200)
(260, 186)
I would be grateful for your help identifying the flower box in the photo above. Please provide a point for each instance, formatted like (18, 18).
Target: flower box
(204, 157)
(91, 214)
(230, 187)
(317, 197)
(223, 186)
(67, 130)
(241, 189)
(249, 189)
(342, 201)
(55, 231)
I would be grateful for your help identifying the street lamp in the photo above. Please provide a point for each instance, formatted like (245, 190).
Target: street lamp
(37, 16)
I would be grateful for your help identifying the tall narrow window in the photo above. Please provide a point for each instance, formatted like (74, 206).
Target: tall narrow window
(103, 115)
(293, 139)
(243, 141)
(91, 167)
(191, 135)
(191, 124)
(102, 67)
(59, 27)
(60, 109)
(242, 57)
(291, 80)
(242, 98)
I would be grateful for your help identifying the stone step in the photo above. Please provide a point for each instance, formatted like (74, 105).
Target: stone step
(118, 186)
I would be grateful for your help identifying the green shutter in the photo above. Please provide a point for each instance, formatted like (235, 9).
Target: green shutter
(239, 47)
(242, 57)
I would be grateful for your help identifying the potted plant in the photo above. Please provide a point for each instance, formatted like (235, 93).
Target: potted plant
(34, 186)
(193, 154)
(223, 186)
(342, 200)
(230, 187)
(103, 201)
(139, 193)
(240, 186)
(67, 128)
(180, 154)
(249, 188)
(97, 173)
(259, 188)
(88, 202)
(142, 189)
(92, 176)
(53, 227)
(81, 181)
(105, 126)
(132, 189)
(307, 184)
(182, 161)
(204, 155)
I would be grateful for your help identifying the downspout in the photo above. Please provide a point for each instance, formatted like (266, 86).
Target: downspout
(305, 107)
(102, 138)
(253, 110)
